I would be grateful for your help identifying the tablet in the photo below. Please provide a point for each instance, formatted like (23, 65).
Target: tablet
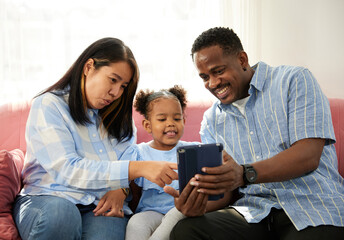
(191, 159)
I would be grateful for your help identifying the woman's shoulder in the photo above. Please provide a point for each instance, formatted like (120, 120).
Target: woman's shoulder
(50, 98)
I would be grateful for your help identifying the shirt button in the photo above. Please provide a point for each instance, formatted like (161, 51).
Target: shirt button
(283, 203)
(100, 150)
(91, 113)
(94, 135)
(257, 157)
(251, 132)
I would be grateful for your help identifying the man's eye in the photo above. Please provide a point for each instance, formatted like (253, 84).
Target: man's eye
(205, 78)
(219, 72)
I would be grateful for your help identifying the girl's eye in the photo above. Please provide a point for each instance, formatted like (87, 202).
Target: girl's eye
(113, 79)
(161, 120)
(177, 119)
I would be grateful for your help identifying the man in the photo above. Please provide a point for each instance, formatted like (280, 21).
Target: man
(275, 124)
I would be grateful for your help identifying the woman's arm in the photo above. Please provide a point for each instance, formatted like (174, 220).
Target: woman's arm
(161, 173)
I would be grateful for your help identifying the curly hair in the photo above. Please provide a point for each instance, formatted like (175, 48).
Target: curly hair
(144, 98)
(224, 37)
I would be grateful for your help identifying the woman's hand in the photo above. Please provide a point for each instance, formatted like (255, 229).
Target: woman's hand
(111, 204)
(159, 172)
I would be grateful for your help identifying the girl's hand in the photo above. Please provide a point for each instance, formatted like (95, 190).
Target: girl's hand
(111, 204)
(159, 172)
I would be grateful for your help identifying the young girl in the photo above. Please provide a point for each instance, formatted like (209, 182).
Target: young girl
(164, 119)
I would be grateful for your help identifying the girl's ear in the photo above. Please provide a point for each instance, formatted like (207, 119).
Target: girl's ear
(147, 125)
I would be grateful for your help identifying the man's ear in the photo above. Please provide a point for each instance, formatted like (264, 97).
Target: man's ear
(147, 125)
(88, 66)
(243, 58)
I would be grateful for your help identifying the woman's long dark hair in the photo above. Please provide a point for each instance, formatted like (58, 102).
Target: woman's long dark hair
(117, 117)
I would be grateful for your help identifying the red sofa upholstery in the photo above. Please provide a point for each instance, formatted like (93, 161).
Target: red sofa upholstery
(12, 136)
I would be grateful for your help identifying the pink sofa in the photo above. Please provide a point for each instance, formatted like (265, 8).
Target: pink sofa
(12, 148)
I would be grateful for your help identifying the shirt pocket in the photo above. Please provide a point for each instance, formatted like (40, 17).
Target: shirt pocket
(275, 132)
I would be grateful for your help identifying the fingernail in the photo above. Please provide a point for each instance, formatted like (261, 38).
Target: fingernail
(200, 190)
(194, 183)
(204, 169)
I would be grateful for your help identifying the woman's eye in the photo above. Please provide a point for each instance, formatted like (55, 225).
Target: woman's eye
(113, 79)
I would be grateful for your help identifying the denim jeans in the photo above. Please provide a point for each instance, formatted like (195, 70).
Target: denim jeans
(50, 217)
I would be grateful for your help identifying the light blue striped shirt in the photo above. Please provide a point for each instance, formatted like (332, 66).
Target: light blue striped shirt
(285, 105)
(69, 160)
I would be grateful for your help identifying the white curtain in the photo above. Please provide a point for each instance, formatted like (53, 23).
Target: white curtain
(40, 39)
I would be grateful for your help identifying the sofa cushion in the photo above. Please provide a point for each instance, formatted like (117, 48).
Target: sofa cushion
(11, 165)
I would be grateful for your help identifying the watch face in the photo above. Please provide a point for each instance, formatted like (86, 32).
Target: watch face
(251, 175)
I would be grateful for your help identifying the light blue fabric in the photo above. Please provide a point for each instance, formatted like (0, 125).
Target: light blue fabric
(75, 162)
(50, 217)
(153, 197)
(285, 105)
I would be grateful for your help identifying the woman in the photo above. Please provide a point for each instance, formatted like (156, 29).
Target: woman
(76, 131)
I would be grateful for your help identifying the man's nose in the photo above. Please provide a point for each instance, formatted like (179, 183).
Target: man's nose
(214, 82)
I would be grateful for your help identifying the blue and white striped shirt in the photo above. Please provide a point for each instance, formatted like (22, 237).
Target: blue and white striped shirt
(285, 105)
(69, 160)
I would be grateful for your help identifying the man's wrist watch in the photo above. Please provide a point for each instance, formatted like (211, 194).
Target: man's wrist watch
(250, 174)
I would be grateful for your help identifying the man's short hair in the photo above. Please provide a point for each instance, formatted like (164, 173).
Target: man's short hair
(224, 37)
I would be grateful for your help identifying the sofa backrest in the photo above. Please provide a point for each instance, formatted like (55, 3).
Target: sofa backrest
(13, 120)
(337, 112)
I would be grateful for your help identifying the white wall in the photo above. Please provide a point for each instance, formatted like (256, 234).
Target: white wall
(309, 33)
(40, 39)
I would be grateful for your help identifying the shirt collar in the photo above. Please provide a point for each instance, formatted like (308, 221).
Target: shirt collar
(257, 82)
(260, 75)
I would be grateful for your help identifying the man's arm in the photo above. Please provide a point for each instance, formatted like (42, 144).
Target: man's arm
(301, 158)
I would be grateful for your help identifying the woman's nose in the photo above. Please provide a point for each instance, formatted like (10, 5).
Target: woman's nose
(115, 91)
